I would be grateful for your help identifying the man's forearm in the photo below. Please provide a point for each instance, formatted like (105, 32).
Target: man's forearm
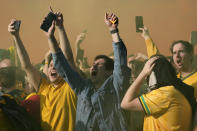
(65, 45)
(65, 70)
(115, 36)
(54, 47)
(121, 52)
(22, 53)
(32, 74)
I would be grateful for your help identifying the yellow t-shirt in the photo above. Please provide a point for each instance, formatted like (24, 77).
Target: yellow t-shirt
(166, 110)
(57, 106)
(191, 80)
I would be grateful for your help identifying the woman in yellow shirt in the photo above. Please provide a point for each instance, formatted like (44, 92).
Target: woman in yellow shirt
(169, 105)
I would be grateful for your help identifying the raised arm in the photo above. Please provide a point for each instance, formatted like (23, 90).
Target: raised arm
(79, 51)
(16, 60)
(61, 63)
(111, 20)
(64, 42)
(121, 72)
(53, 45)
(150, 45)
(26, 65)
(130, 100)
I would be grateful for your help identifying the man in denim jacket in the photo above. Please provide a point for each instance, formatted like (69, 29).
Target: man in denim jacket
(99, 100)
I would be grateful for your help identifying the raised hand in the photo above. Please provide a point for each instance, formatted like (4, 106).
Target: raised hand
(145, 32)
(80, 37)
(14, 27)
(148, 67)
(51, 30)
(111, 20)
(59, 19)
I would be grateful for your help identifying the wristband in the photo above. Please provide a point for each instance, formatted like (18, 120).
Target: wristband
(114, 31)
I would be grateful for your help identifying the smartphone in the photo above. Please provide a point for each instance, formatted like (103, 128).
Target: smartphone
(17, 24)
(47, 22)
(193, 39)
(139, 23)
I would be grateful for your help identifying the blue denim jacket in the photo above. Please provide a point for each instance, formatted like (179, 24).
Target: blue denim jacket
(99, 109)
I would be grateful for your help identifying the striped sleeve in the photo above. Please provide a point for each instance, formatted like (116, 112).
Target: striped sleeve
(144, 105)
(155, 101)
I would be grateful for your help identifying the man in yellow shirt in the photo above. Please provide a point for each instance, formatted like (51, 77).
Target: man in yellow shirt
(57, 99)
(182, 57)
(57, 103)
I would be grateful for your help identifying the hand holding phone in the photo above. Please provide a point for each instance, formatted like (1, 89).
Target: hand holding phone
(139, 23)
(14, 27)
(47, 22)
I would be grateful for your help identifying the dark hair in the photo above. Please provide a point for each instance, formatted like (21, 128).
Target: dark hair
(109, 63)
(188, 46)
(7, 76)
(164, 71)
(166, 76)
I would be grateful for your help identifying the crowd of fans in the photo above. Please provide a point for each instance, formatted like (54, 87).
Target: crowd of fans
(116, 93)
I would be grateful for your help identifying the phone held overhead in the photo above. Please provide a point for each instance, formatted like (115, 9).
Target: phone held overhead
(47, 22)
(139, 23)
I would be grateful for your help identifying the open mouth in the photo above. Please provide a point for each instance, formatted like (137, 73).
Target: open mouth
(179, 62)
(53, 74)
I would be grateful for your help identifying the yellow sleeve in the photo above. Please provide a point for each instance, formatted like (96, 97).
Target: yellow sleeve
(151, 48)
(154, 102)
